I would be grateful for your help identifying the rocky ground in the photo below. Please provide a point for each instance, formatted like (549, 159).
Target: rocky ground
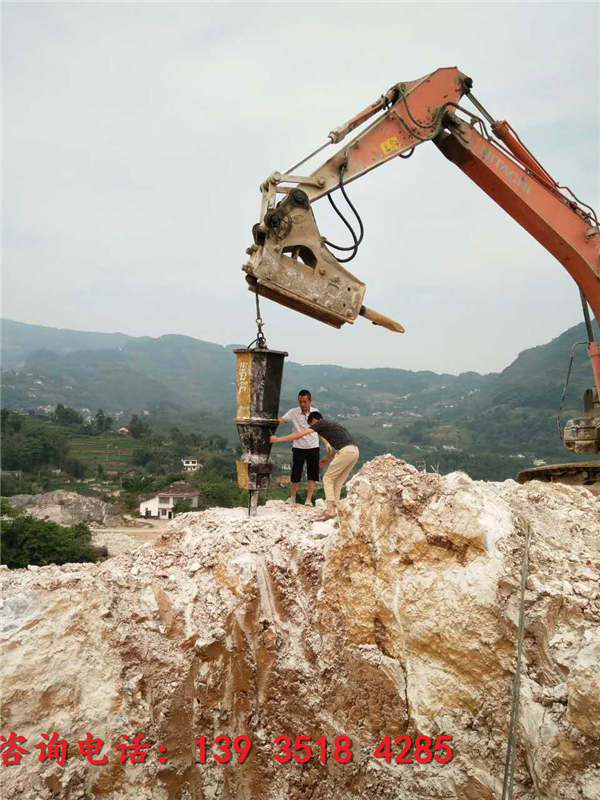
(401, 622)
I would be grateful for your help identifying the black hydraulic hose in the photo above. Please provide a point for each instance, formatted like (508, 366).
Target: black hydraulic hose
(347, 199)
(346, 223)
(357, 240)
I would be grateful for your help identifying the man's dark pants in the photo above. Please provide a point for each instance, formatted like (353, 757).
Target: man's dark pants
(300, 455)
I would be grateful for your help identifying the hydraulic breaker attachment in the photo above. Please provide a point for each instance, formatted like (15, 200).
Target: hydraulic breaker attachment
(291, 264)
(258, 385)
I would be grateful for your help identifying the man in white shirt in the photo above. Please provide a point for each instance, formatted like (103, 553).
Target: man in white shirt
(305, 449)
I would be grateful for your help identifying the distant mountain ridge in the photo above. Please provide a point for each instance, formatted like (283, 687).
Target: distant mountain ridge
(175, 377)
(20, 339)
(117, 371)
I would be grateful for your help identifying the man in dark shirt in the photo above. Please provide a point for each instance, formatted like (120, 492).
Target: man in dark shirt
(344, 454)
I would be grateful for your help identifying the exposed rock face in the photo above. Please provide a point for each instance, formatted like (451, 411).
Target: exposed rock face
(400, 621)
(67, 508)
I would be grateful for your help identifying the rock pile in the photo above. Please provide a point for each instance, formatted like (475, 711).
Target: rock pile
(67, 508)
(399, 622)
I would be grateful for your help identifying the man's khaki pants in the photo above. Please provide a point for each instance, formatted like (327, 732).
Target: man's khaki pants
(338, 471)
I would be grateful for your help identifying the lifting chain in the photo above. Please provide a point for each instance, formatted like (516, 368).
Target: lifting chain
(260, 342)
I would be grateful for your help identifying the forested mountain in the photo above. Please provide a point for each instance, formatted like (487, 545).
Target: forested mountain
(43, 366)
(188, 382)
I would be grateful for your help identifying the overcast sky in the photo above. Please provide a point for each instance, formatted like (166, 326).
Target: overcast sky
(136, 136)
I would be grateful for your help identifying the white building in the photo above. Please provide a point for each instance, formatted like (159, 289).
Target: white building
(162, 505)
(190, 464)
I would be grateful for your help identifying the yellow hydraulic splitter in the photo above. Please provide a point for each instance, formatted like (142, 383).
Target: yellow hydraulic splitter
(259, 373)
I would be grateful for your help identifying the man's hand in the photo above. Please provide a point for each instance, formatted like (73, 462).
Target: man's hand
(326, 460)
(274, 439)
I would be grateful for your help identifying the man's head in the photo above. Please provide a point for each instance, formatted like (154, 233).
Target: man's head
(304, 399)
(314, 416)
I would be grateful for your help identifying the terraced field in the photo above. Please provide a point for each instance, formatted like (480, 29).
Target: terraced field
(112, 451)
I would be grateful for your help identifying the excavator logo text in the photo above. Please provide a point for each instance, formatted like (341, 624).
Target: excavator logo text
(511, 175)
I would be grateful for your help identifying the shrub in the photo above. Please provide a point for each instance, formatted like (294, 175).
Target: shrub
(75, 468)
(26, 540)
(129, 500)
(6, 510)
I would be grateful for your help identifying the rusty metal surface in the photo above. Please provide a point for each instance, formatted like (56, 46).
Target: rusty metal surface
(582, 435)
(258, 387)
(380, 319)
(416, 106)
(290, 264)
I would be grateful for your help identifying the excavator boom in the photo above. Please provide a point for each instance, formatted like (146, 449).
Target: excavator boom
(292, 263)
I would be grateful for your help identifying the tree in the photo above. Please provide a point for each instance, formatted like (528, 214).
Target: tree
(11, 422)
(142, 456)
(216, 442)
(138, 427)
(102, 423)
(6, 510)
(63, 415)
(223, 465)
(32, 448)
(74, 467)
(220, 491)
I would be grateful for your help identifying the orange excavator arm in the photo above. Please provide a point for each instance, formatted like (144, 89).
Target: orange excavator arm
(293, 264)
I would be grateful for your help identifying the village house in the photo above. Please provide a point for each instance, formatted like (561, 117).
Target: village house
(189, 464)
(162, 505)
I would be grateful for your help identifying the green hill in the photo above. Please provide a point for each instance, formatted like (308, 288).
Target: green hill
(536, 377)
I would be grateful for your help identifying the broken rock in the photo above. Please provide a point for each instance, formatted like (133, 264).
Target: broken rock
(401, 621)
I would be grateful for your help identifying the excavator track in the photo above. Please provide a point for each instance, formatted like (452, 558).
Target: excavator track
(575, 473)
